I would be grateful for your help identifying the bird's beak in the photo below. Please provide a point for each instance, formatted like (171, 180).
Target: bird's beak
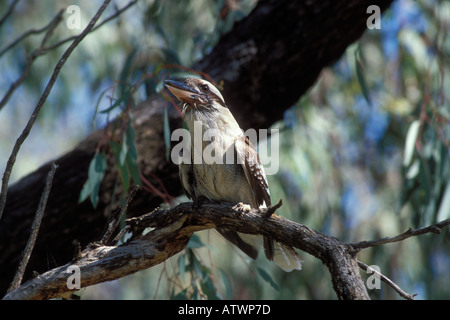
(183, 92)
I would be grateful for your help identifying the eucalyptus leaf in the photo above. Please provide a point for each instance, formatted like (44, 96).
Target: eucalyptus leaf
(410, 143)
(263, 273)
(226, 283)
(444, 207)
(361, 78)
(96, 172)
(194, 243)
(182, 266)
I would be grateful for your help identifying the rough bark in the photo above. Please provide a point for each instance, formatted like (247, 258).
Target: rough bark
(173, 228)
(267, 61)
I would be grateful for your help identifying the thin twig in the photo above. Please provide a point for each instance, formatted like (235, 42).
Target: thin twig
(8, 12)
(271, 210)
(31, 58)
(31, 32)
(435, 228)
(112, 226)
(113, 16)
(43, 49)
(34, 230)
(45, 94)
(386, 280)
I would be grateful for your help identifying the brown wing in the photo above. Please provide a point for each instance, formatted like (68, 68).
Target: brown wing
(254, 171)
(256, 177)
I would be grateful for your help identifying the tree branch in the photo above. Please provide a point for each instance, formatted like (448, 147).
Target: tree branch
(111, 17)
(8, 12)
(436, 228)
(34, 230)
(45, 94)
(174, 227)
(308, 35)
(50, 27)
(386, 280)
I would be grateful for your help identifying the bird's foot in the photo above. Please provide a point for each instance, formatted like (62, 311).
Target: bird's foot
(242, 207)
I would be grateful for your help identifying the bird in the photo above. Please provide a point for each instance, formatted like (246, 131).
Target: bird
(242, 180)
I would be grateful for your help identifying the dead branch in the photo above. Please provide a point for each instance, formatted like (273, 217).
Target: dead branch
(436, 228)
(34, 230)
(172, 230)
(318, 32)
(386, 280)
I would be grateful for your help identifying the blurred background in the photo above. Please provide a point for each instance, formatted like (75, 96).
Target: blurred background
(364, 154)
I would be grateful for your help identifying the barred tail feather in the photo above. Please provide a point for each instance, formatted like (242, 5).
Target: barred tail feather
(286, 258)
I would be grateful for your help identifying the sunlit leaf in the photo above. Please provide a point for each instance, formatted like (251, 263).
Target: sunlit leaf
(444, 207)
(413, 170)
(410, 143)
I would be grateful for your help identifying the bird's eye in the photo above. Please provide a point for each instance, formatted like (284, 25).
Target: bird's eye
(204, 87)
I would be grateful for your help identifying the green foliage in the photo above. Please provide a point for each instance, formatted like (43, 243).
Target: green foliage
(263, 273)
(96, 173)
(365, 154)
(127, 158)
(202, 282)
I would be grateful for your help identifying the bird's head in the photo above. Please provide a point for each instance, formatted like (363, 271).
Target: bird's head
(196, 93)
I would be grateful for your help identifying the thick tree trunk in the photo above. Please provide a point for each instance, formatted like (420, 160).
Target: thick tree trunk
(267, 62)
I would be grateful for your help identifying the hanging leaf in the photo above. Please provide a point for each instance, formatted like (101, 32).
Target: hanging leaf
(410, 143)
(194, 242)
(182, 266)
(127, 158)
(132, 155)
(267, 278)
(97, 105)
(226, 283)
(124, 87)
(209, 289)
(97, 169)
(116, 104)
(444, 207)
(197, 267)
(361, 77)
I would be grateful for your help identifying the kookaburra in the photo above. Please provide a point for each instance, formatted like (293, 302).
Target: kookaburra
(232, 181)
